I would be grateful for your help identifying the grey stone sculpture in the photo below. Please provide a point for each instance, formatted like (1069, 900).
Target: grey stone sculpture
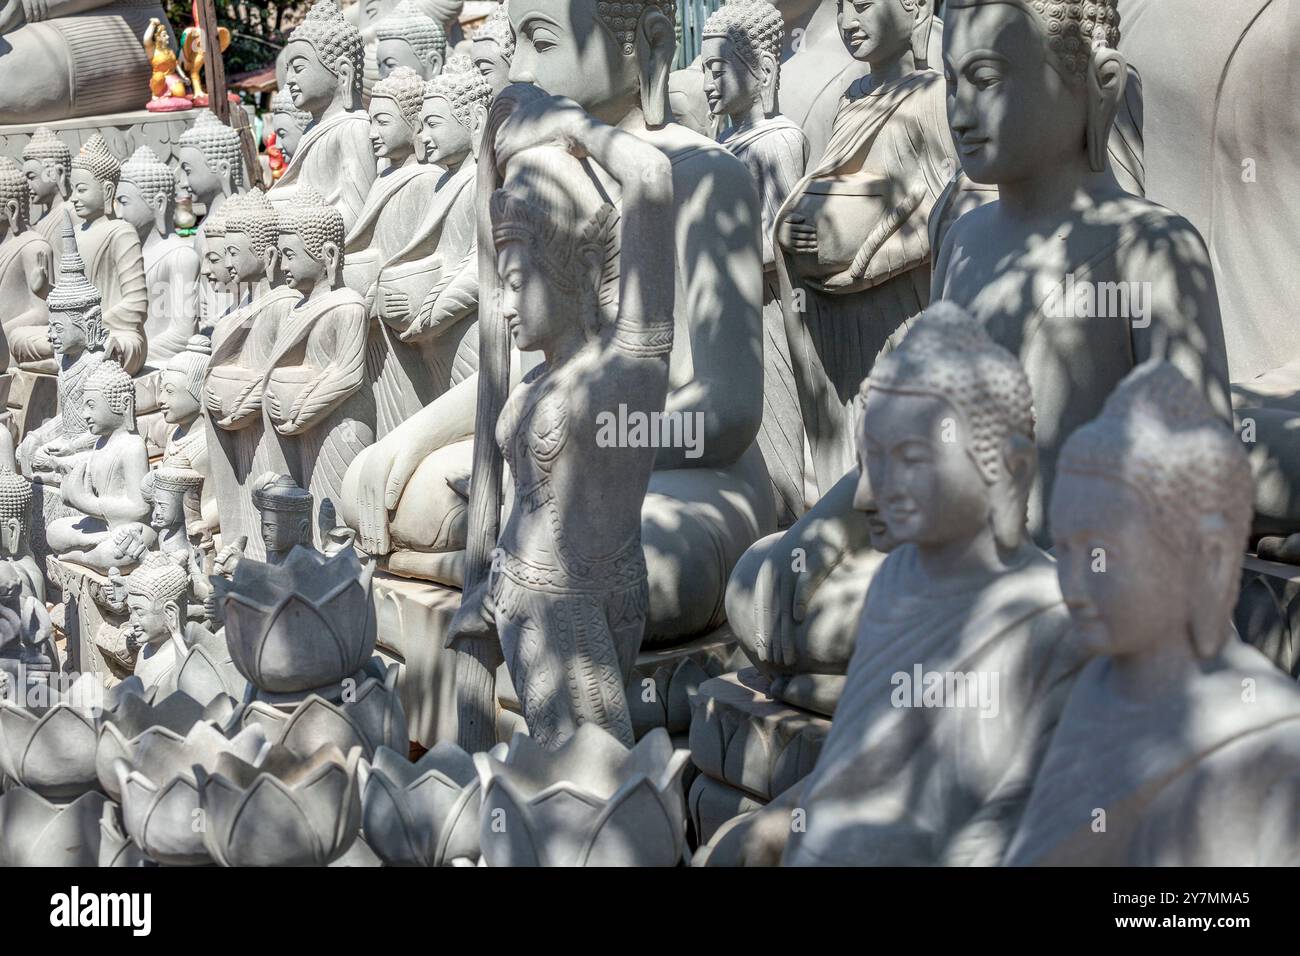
(210, 169)
(493, 47)
(26, 264)
(424, 813)
(289, 122)
(180, 398)
(15, 531)
(47, 162)
(27, 651)
(406, 37)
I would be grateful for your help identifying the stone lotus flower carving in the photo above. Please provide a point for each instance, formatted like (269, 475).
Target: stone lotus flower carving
(37, 832)
(207, 672)
(159, 791)
(592, 802)
(288, 811)
(301, 625)
(424, 813)
(115, 847)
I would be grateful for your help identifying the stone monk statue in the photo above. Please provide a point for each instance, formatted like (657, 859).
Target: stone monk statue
(47, 161)
(26, 264)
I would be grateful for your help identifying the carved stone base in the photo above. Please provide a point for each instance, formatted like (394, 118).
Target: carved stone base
(710, 804)
(124, 133)
(96, 634)
(1267, 615)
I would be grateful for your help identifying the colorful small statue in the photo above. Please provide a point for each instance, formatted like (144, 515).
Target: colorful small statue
(275, 156)
(193, 56)
(165, 81)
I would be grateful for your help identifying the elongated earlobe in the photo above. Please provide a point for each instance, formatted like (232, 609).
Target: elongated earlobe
(921, 33)
(655, 52)
(1107, 77)
(770, 71)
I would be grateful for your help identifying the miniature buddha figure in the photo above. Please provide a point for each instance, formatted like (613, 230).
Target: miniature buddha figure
(156, 604)
(76, 337)
(112, 253)
(181, 397)
(710, 497)
(570, 642)
(493, 48)
(15, 540)
(406, 37)
(317, 392)
(1183, 737)
(740, 59)
(146, 200)
(47, 162)
(914, 772)
(103, 484)
(289, 123)
(170, 490)
(285, 516)
(855, 253)
(334, 156)
(26, 265)
(26, 633)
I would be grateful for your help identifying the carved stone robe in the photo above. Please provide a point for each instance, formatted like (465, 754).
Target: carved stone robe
(115, 266)
(26, 265)
(171, 271)
(335, 158)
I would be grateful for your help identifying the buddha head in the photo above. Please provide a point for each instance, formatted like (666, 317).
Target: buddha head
(210, 159)
(553, 235)
(146, 193)
(167, 489)
(947, 437)
(76, 318)
(156, 602)
(1033, 85)
(452, 116)
(15, 512)
(108, 400)
(1150, 514)
(610, 57)
(323, 60)
(94, 179)
(881, 32)
(285, 510)
(14, 198)
(493, 48)
(47, 163)
(251, 224)
(741, 57)
(409, 38)
(395, 114)
(310, 243)
(181, 382)
(288, 122)
(213, 264)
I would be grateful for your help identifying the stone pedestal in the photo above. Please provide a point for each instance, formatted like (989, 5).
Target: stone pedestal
(1267, 615)
(747, 747)
(96, 633)
(124, 133)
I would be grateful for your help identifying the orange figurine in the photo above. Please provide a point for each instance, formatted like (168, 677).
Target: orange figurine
(165, 80)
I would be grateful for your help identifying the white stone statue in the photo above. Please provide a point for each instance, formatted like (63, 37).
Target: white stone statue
(155, 597)
(493, 47)
(289, 122)
(180, 398)
(407, 37)
(26, 267)
(15, 531)
(47, 161)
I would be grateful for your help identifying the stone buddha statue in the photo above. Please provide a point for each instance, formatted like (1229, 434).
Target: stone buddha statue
(103, 485)
(709, 496)
(172, 491)
(76, 338)
(112, 253)
(317, 388)
(180, 397)
(334, 156)
(146, 200)
(285, 512)
(211, 164)
(407, 37)
(1178, 744)
(854, 249)
(961, 664)
(493, 47)
(156, 607)
(288, 122)
(26, 265)
(15, 539)
(71, 58)
(47, 161)
(740, 58)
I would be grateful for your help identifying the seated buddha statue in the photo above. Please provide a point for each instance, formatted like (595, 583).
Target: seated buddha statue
(407, 37)
(15, 537)
(709, 496)
(334, 156)
(103, 485)
(960, 665)
(493, 47)
(47, 161)
(26, 264)
(146, 200)
(1178, 743)
(317, 393)
(288, 122)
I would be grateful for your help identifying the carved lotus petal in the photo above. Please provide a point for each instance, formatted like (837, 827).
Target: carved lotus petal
(115, 847)
(36, 832)
(288, 812)
(205, 674)
(52, 753)
(424, 813)
(592, 802)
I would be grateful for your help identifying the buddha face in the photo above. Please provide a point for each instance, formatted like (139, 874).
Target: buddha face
(729, 85)
(240, 262)
(178, 406)
(395, 52)
(864, 500)
(197, 179)
(1012, 114)
(133, 207)
(99, 415)
(67, 334)
(311, 83)
(168, 508)
(445, 141)
(281, 531)
(214, 267)
(149, 619)
(876, 31)
(89, 197)
(43, 179)
(390, 134)
(531, 304)
(300, 269)
(926, 486)
(491, 62)
(287, 133)
(563, 47)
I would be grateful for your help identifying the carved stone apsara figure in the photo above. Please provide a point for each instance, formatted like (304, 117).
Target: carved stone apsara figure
(407, 37)
(165, 81)
(26, 264)
(334, 156)
(316, 392)
(289, 123)
(1183, 736)
(568, 594)
(15, 539)
(146, 200)
(854, 249)
(47, 163)
(493, 48)
(740, 57)
(180, 398)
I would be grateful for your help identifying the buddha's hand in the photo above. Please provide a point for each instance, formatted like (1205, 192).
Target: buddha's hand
(214, 404)
(394, 307)
(129, 544)
(12, 15)
(549, 119)
(796, 235)
(793, 572)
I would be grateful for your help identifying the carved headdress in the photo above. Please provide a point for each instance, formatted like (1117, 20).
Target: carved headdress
(464, 90)
(281, 493)
(115, 385)
(184, 481)
(1072, 28)
(96, 158)
(149, 173)
(73, 292)
(497, 29)
(331, 36)
(218, 143)
(407, 22)
(192, 362)
(253, 214)
(159, 581)
(404, 87)
(48, 148)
